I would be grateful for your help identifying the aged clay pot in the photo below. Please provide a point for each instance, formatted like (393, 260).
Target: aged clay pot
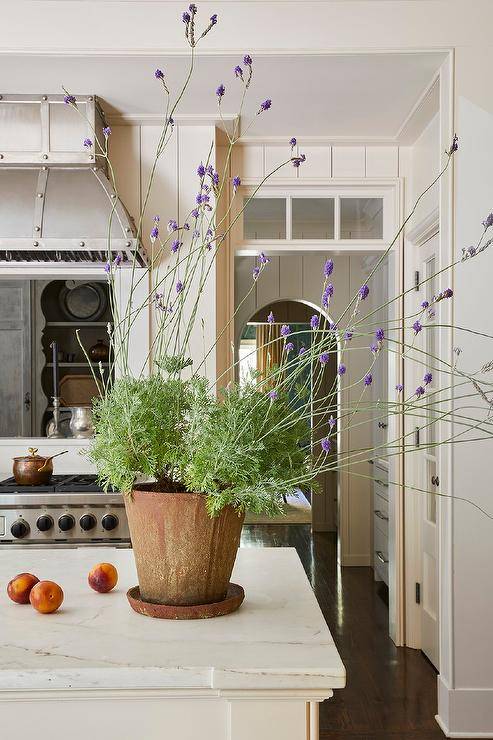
(183, 556)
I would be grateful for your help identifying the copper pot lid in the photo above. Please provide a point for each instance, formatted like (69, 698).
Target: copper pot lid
(32, 455)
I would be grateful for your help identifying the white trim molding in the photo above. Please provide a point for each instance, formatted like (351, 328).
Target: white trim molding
(426, 229)
(464, 712)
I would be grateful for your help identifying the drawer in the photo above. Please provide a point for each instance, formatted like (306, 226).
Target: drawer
(381, 555)
(381, 513)
(380, 485)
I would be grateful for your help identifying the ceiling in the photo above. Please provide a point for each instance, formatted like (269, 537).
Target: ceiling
(358, 96)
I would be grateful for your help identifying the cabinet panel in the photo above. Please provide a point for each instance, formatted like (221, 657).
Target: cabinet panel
(348, 161)
(382, 161)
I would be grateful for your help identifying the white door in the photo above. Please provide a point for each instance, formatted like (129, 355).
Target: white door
(428, 479)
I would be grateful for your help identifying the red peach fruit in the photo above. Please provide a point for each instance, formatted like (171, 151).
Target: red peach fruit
(46, 597)
(103, 577)
(20, 587)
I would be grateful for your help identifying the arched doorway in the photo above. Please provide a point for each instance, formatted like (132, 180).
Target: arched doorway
(320, 508)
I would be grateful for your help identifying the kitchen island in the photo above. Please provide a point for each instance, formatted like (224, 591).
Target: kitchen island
(96, 669)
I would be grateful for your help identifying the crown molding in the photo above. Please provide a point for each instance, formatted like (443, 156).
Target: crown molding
(425, 108)
(429, 226)
(181, 119)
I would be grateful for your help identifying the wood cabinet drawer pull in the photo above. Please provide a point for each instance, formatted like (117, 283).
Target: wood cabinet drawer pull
(380, 515)
(381, 482)
(381, 557)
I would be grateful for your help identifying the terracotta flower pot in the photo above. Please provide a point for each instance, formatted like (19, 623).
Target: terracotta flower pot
(183, 556)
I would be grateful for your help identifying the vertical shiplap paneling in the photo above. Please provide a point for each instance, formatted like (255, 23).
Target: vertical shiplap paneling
(313, 278)
(124, 151)
(268, 283)
(243, 295)
(348, 161)
(194, 145)
(291, 276)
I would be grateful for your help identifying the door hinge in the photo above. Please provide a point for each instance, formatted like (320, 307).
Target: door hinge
(418, 593)
(416, 280)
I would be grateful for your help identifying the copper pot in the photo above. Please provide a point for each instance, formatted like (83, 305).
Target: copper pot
(33, 469)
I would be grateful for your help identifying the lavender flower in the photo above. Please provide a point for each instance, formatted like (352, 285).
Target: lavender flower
(328, 268)
(419, 391)
(175, 245)
(213, 19)
(273, 395)
(107, 268)
(374, 348)
(417, 327)
(431, 313)
(324, 358)
(289, 346)
(332, 422)
(285, 330)
(471, 251)
(341, 369)
(448, 293)
(379, 335)
(106, 132)
(172, 225)
(156, 219)
(427, 378)
(185, 17)
(179, 286)
(292, 142)
(69, 100)
(399, 387)
(302, 351)
(265, 106)
(186, 226)
(367, 380)
(297, 161)
(195, 213)
(192, 8)
(315, 322)
(488, 221)
(425, 304)
(328, 293)
(154, 232)
(364, 292)
(87, 143)
(454, 146)
(326, 444)
(117, 259)
(158, 74)
(270, 318)
(201, 170)
(236, 183)
(256, 272)
(332, 325)
(220, 91)
(238, 71)
(348, 335)
(263, 259)
(247, 59)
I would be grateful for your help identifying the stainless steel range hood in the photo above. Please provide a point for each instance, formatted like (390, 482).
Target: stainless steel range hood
(56, 204)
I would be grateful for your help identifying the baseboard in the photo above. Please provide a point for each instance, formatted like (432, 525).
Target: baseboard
(466, 713)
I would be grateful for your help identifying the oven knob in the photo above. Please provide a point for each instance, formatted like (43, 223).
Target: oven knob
(66, 522)
(109, 522)
(44, 523)
(87, 522)
(19, 529)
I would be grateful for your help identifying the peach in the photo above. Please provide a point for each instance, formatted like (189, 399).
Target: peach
(20, 587)
(103, 577)
(46, 597)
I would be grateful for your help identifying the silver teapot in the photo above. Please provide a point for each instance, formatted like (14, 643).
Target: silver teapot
(81, 422)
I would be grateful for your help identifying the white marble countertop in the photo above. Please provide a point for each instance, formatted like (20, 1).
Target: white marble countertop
(278, 639)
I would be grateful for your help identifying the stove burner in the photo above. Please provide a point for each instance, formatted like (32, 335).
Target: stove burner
(79, 483)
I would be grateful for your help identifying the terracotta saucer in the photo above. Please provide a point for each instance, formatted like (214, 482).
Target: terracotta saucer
(233, 600)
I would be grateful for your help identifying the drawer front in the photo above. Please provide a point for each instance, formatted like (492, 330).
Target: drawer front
(381, 555)
(380, 485)
(381, 513)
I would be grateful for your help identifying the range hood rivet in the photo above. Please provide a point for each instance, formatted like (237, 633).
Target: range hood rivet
(91, 156)
(40, 195)
(113, 195)
(1, 155)
(94, 169)
(35, 244)
(44, 168)
(45, 156)
(1, 97)
(45, 97)
(128, 244)
(81, 244)
(36, 228)
(90, 98)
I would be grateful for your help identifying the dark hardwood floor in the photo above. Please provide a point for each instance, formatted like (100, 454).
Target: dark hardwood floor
(391, 692)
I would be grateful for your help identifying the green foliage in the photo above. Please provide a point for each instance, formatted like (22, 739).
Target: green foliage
(239, 449)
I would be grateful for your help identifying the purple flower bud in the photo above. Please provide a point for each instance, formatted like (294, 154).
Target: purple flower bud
(87, 143)
(186, 226)
(201, 170)
(341, 369)
(419, 391)
(367, 380)
(427, 378)
(448, 293)
(159, 74)
(292, 142)
(106, 132)
(117, 259)
(417, 327)
(236, 183)
(69, 100)
(315, 322)
(185, 17)
(192, 8)
(289, 346)
(213, 19)
(488, 221)
(301, 351)
(175, 245)
(326, 444)
(256, 272)
(157, 219)
(264, 106)
(297, 161)
(270, 318)
(179, 286)
(195, 213)
(328, 293)
(273, 395)
(247, 59)
(348, 335)
(220, 91)
(328, 268)
(285, 330)
(263, 259)
(210, 170)
(364, 292)
(379, 335)
(399, 387)
(154, 232)
(455, 145)
(332, 422)
(471, 251)
(324, 358)
(238, 71)
(425, 304)
(374, 348)
(172, 225)
(107, 268)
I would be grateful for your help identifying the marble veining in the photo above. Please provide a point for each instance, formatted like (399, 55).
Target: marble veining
(277, 639)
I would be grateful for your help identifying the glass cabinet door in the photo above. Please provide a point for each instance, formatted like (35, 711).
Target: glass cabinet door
(312, 218)
(361, 218)
(264, 218)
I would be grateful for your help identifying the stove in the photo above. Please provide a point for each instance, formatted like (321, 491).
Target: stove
(70, 511)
